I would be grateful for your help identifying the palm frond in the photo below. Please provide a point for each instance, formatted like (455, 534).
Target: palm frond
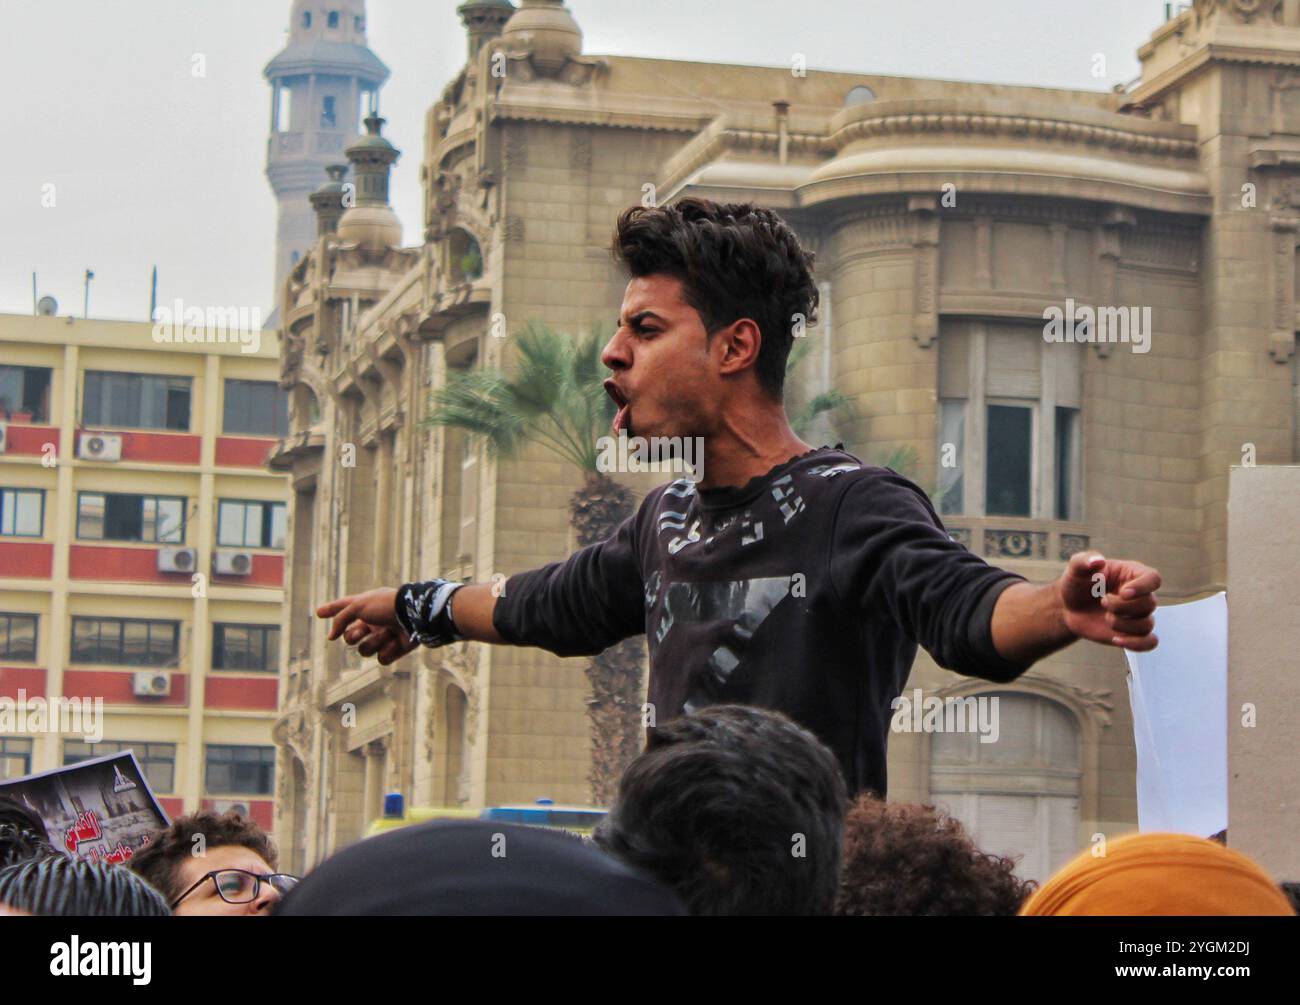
(553, 396)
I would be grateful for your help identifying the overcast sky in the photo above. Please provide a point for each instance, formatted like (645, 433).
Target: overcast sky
(152, 165)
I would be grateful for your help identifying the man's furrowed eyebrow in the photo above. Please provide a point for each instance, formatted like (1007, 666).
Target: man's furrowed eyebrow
(640, 316)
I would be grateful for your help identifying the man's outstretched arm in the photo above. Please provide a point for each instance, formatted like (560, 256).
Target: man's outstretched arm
(1111, 602)
(579, 606)
(369, 620)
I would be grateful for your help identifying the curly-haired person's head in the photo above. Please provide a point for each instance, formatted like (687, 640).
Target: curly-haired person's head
(716, 296)
(193, 846)
(907, 859)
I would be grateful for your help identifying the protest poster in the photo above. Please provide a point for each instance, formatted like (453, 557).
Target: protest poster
(100, 810)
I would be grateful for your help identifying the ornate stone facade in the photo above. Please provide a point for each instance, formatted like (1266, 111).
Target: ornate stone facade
(948, 217)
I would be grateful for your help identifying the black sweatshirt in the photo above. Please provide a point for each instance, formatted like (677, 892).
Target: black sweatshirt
(806, 591)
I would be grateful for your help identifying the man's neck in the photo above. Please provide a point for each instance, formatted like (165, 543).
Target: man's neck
(749, 446)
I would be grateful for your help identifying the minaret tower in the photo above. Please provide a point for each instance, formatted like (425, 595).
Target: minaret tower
(323, 83)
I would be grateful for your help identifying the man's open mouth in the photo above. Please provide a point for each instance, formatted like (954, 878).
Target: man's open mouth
(623, 419)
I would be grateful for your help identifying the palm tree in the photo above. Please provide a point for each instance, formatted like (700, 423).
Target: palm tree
(555, 397)
(903, 459)
(828, 401)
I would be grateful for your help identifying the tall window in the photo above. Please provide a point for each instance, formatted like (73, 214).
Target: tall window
(245, 647)
(136, 400)
(15, 757)
(157, 760)
(112, 516)
(283, 107)
(246, 524)
(22, 512)
(1009, 468)
(132, 642)
(327, 120)
(25, 393)
(1019, 795)
(1068, 463)
(1010, 427)
(257, 407)
(333, 19)
(18, 637)
(239, 770)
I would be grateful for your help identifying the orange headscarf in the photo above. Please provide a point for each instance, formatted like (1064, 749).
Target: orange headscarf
(1160, 874)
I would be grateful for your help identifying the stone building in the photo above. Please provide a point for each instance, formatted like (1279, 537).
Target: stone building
(949, 220)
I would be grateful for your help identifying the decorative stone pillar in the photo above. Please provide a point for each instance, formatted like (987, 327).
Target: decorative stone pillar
(1281, 339)
(925, 253)
(1110, 241)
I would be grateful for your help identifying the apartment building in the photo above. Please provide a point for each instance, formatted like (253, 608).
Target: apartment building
(141, 550)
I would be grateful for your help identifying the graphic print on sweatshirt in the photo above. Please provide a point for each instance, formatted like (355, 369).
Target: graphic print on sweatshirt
(728, 613)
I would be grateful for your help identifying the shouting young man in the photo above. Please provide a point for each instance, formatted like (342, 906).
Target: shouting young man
(788, 577)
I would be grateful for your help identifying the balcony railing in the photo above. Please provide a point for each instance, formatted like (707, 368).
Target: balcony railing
(1016, 539)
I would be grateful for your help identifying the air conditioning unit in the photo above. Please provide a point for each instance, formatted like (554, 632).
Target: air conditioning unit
(232, 563)
(4, 436)
(177, 559)
(151, 684)
(231, 806)
(99, 447)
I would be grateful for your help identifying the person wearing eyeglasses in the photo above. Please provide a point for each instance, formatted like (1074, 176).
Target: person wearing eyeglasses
(210, 864)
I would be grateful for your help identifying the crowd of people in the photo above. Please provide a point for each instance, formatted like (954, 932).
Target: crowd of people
(729, 811)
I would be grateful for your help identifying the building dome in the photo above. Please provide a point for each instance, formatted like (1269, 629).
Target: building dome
(374, 228)
(371, 222)
(546, 30)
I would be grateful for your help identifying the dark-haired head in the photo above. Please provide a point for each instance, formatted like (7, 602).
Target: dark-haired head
(907, 859)
(58, 886)
(737, 810)
(717, 293)
(22, 833)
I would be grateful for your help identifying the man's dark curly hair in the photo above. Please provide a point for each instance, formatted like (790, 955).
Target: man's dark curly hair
(907, 859)
(739, 811)
(22, 833)
(735, 260)
(160, 861)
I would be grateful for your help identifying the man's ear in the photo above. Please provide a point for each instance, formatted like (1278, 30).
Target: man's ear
(741, 343)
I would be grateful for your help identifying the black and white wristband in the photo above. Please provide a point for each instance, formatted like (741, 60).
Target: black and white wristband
(424, 612)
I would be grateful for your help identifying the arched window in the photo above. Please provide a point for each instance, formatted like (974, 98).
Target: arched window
(333, 20)
(1020, 794)
(305, 407)
(860, 95)
(466, 256)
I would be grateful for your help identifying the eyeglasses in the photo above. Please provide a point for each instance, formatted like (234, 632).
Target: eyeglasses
(239, 886)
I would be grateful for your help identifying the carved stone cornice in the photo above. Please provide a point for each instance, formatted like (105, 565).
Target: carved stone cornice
(647, 120)
(718, 138)
(1092, 703)
(1016, 127)
(289, 450)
